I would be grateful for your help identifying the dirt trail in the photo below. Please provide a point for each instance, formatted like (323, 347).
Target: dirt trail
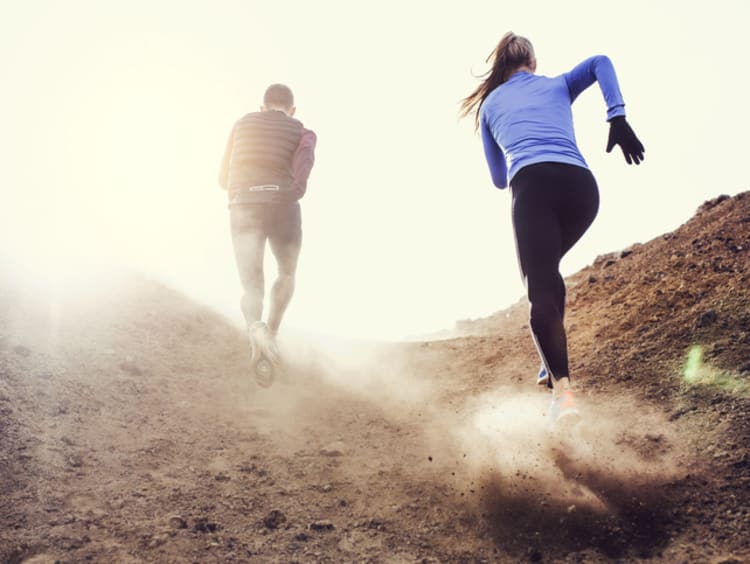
(131, 432)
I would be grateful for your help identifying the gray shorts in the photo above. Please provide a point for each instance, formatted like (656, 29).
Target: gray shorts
(280, 223)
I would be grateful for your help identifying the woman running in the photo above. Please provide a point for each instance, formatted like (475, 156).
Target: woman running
(526, 124)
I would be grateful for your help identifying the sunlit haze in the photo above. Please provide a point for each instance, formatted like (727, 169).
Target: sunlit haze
(115, 118)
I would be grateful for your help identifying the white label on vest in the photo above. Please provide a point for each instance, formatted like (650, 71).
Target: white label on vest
(263, 188)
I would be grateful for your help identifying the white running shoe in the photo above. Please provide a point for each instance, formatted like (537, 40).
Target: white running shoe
(264, 353)
(564, 408)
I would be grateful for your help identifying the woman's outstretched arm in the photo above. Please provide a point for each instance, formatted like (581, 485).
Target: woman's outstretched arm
(599, 69)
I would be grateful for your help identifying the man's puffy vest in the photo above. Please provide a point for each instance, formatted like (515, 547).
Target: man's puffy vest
(263, 145)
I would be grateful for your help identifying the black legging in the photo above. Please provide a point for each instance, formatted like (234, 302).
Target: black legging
(553, 206)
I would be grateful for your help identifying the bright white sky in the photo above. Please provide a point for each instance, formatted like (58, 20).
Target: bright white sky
(115, 116)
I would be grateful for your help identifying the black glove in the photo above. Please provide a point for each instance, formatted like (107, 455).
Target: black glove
(620, 133)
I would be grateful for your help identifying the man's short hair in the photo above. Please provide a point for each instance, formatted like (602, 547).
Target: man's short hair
(278, 96)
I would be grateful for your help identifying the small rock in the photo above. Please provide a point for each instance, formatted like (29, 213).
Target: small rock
(322, 525)
(327, 488)
(221, 477)
(302, 537)
(593, 279)
(274, 519)
(707, 318)
(252, 469)
(75, 461)
(76, 543)
(177, 522)
(335, 449)
(680, 412)
(203, 525)
(375, 524)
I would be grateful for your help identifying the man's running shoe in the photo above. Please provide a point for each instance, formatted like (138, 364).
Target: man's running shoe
(564, 408)
(542, 378)
(262, 342)
(264, 353)
(265, 373)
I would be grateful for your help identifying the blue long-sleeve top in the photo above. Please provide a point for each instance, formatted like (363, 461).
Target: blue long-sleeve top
(529, 119)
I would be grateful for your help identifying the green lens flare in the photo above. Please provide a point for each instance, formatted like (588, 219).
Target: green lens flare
(695, 372)
(693, 364)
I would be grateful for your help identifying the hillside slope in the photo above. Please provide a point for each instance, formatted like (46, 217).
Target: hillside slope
(130, 430)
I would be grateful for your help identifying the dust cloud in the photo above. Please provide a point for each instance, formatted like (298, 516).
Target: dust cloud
(498, 444)
(602, 478)
(327, 386)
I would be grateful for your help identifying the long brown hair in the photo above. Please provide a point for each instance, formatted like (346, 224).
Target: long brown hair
(512, 52)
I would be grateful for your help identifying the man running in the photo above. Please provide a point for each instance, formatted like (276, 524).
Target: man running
(267, 161)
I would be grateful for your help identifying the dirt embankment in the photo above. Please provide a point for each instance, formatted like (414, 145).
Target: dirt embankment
(130, 430)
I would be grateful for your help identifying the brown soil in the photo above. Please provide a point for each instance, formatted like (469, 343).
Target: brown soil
(131, 431)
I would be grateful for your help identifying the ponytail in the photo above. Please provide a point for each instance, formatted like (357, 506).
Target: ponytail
(512, 52)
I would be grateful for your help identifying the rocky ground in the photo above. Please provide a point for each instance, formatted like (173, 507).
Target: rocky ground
(130, 430)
